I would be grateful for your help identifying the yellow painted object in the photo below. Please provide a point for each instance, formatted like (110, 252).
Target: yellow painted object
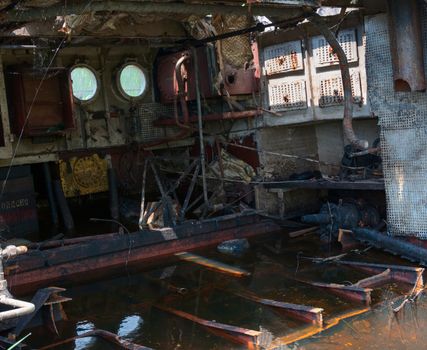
(83, 175)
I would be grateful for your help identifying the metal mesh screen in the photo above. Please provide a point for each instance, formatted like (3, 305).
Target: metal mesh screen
(403, 120)
(141, 124)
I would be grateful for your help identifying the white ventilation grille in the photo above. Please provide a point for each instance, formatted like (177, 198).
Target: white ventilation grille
(286, 57)
(287, 95)
(323, 54)
(331, 91)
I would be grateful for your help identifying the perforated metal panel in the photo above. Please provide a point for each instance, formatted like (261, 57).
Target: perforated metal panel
(285, 57)
(323, 54)
(331, 89)
(287, 95)
(403, 120)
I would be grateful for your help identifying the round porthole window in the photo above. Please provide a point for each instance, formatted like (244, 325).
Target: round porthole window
(84, 83)
(131, 81)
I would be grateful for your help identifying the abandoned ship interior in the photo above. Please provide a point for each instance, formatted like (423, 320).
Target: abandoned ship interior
(213, 174)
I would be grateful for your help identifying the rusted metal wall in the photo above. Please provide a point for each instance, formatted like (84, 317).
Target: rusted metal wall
(403, 121)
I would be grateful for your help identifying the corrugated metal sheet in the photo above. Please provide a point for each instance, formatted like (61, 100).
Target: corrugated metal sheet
(403, 120)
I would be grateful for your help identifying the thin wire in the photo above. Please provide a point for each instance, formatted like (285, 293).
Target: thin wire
(18, 143)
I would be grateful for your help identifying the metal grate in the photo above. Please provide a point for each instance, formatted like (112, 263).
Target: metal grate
(141, 125)
(285, 57)
(323, 54)
(403, 120)
(331, 90)
(286, 95)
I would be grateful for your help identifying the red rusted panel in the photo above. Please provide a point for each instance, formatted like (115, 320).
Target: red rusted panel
(244, 81)
(40, 105)
(166, 80)
(250, 156)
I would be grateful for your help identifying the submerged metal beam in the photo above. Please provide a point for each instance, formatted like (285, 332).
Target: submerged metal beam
(352, 292)
(240, 335)
(303, 313)
(406, 274)
(212, 264)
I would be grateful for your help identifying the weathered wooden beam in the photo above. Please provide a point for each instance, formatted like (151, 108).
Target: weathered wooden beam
(212, 264)
(240, 335)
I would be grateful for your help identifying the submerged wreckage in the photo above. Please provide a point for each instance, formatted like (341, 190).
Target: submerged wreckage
(134, 132)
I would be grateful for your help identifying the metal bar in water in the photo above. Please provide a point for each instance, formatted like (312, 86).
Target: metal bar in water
(212, 264)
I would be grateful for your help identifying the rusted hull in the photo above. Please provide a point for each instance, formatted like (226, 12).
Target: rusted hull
(73, 263)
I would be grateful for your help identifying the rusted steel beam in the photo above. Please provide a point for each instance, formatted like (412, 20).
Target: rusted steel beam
(302, 232)
(212, 264)
(240, 335)
(97, 263)
(406, 44)
(303, 313)
(406, 274)
(376, 280)
(100, 333)
(115, 243)
(156, 8)
(352, 292)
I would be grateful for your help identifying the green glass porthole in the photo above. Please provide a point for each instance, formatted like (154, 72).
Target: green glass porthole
(132, 81)
(84, 82)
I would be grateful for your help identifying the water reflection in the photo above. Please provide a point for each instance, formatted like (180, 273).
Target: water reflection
(84, 343)
(130, 326)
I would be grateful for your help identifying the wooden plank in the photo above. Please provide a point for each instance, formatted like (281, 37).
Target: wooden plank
(212, 264)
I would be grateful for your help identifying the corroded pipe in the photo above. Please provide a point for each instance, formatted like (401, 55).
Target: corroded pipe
(346, 80)
(406, 44)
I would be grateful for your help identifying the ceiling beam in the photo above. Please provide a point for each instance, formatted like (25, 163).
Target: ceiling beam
(157, 8)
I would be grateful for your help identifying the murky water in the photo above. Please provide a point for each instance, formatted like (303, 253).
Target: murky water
(127, 305)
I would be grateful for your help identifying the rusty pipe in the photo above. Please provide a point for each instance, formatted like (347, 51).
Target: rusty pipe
(346, 80)
(186, 128)
(406, 45)
(21, 308)
(181, 86)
